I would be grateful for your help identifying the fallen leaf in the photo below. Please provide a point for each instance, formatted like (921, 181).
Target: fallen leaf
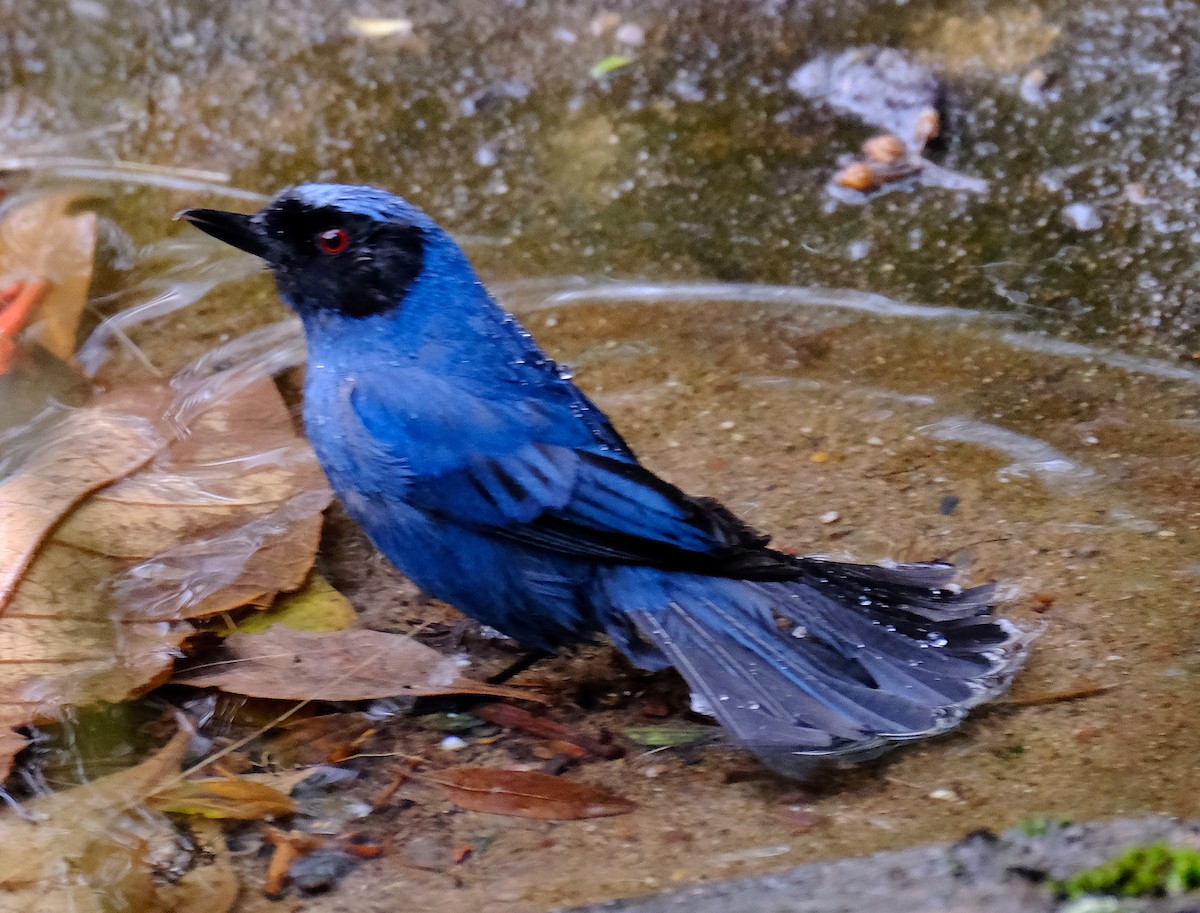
(39, 239)
(610, 64)
(350, 665)
(239, 798)
(671, 735)
(525, 794)
(90, 849)
(316, 606)
(511, 717)
(217, 503)
(55, 461)
(325, 739)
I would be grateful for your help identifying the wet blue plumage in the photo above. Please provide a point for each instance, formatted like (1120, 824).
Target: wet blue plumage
(496, 485)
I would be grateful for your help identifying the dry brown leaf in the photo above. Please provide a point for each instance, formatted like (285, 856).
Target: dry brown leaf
(349, 665)
(89, 849)
(239, 798)
(326, 739)
(511, 717)
(228, 513)
(61, 464)
(40, 240)
(526, 794)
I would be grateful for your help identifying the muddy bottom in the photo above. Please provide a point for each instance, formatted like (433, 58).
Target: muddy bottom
(1069, 476)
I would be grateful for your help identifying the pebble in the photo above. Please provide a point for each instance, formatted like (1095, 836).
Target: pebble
(830, 516)
(452, 743)
(631, 34)
(885, 148)
(320, 871)
(1082, 217)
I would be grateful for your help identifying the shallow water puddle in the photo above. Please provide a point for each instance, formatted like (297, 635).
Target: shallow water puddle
(1072, 482)
(842, 422)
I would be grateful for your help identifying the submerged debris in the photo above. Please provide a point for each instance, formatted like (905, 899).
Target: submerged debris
(880, 86)
(883, 88)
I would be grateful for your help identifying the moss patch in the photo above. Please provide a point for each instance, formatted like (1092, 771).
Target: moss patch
(1143, 871)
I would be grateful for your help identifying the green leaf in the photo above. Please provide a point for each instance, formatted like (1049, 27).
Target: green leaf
(610, 64)
(316, 606)
(671, 735)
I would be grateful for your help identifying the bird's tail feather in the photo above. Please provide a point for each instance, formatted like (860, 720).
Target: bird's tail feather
(840, 662)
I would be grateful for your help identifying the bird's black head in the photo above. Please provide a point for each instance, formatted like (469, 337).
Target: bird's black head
(355, 251)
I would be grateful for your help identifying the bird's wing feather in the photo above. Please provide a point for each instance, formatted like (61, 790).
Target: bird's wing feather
(529, 471)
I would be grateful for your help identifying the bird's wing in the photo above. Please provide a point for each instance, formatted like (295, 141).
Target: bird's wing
(528, 470)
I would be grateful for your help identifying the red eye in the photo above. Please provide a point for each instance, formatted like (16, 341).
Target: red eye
(333, 240)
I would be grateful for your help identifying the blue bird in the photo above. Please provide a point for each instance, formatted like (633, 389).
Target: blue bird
(492, 481)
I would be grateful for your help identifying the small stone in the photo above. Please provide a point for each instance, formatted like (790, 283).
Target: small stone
(631, 34)
(944, 795)
(605, 22)
(875, 441)
(885, 148)
(859, 176)
(1082, 217)
(819, 457)
(452, 743)
(320, 871)
(830, 516)
(858, 250)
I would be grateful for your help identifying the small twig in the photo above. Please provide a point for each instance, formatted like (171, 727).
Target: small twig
(1054, 697)
(385, 795)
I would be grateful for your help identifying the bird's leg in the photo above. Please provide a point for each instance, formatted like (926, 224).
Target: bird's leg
(514, 669)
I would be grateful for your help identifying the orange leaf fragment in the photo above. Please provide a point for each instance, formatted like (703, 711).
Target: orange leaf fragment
(42, 242)
(526, 794)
